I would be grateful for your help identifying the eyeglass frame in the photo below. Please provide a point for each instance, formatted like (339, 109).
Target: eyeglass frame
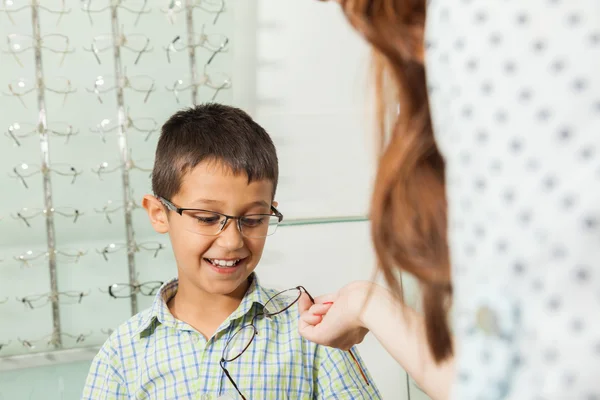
(124, 83)
(117, 3)
(180, 210)
(205, 80)
(136, 288)
(222, 362)
(28, 301)
(29, 256)
(106, 210)
(121, 42)
(129, 123)
(199, 40)
(36, 129)
(218, 13)
(133, 248)
(52, 339)
(31, 5)
(37, 43)
(43, 211)
(41, 84)
(37, 169)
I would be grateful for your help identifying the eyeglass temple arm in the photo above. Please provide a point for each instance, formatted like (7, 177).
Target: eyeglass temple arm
(359, 367)
(302, 288)
(168, 204)
(277, 213)
(222, 364)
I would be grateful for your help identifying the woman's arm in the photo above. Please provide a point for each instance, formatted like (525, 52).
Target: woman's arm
(401, 331)
(344, 318)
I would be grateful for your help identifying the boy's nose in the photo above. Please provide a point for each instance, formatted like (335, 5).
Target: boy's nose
(230, 237)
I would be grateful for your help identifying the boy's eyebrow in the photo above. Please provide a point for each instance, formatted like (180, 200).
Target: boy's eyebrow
(206, 201)
(259, 203)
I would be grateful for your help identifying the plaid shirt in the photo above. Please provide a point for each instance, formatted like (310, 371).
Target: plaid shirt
(155, 356)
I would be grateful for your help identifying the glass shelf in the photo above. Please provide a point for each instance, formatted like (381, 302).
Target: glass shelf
(323, 220)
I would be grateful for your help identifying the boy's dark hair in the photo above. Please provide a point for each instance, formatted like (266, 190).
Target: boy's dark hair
(212, 132)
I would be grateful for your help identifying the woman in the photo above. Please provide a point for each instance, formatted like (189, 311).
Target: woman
(492, 201)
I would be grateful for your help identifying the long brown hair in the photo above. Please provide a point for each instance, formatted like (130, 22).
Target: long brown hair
(408, 209)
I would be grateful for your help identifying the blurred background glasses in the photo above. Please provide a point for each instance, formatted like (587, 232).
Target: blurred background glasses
(111, 207)
(216, 81)
(18, 131)
(137, 7)
(211, 223)
(125, 290)
(175, 7)
(24, 170)
(28, 258)
(22, 87)
(54, 42)
(154, 247)
(242, 339)
(108, 168)
(143, 125)
(27, 214)
(56, 7)
(40, 300)
(4, 344)
(215, 43)
(106, 83)
(52, 340)
(135, 43)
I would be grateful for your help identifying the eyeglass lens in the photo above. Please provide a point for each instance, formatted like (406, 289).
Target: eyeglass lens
(209, 224)
(239, 343)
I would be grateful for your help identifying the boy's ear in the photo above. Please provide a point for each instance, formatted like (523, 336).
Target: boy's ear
(157, 213)
(275, 204)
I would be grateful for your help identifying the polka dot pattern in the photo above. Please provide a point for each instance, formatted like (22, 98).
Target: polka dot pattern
(516, 114)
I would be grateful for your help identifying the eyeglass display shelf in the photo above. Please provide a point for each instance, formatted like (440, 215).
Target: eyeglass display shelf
(42, 359)
(323, 220)
(45, 359)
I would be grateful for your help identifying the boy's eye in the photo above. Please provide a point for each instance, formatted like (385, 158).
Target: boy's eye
(252, 222)
(206, 218)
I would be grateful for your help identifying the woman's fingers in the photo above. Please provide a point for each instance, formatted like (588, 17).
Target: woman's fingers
(311, 319)
(304, 303)
(320, 309)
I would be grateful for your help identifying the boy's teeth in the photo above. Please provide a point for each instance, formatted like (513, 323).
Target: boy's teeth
(224, 263)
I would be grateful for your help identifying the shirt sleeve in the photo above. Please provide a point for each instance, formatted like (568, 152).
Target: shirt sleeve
(104, 380)
(338, 376)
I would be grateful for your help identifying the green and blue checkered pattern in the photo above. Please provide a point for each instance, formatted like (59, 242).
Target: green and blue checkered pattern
(154, 356)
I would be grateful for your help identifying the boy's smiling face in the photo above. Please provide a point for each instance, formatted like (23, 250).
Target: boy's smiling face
(213, 186)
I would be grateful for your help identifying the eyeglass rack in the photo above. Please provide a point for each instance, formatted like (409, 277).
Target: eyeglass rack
(47, 183)
(125, 155)
(52, 254)
(117, 15)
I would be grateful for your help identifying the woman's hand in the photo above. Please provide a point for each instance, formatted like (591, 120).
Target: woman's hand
(343, 319)
(335, 320)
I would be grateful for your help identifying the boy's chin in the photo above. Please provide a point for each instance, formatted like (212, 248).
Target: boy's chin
(224, 288)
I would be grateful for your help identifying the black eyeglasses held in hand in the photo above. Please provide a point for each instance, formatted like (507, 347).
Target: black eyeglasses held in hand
(241, 340)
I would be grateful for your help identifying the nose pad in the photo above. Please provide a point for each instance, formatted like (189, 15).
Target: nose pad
(227, 221)
(223, 224)
(231, 240)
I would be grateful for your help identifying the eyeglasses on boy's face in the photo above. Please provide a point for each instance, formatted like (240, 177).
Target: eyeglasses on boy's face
(241, 340)
(211, 223)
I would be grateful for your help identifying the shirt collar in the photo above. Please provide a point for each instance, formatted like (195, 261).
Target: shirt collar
(159, 313)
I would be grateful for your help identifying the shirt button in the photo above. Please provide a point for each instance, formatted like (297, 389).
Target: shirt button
(487, 321)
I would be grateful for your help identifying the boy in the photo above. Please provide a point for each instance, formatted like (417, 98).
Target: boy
(214, 181)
